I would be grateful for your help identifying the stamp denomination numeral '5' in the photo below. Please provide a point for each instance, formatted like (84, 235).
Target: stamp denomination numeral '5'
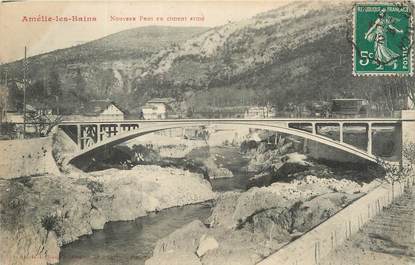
(366, 57)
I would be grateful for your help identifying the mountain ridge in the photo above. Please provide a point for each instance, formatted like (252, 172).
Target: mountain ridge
(298, 53)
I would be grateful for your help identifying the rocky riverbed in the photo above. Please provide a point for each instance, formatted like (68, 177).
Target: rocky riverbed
(290, 194)
(40, 214)
(246, 227)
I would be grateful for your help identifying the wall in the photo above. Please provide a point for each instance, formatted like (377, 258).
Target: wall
(29, 157)
(316, 244)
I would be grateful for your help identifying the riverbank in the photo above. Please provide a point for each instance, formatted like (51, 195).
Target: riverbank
(45, 212)
(294, 195)
(40, 214)
(245, 227)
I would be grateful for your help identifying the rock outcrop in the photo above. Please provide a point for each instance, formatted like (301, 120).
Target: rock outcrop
(185, 239)
(214, 171)
(206, 244)
(174, 258)
(245, 227)
(40, 214)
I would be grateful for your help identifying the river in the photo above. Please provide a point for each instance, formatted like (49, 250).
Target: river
(132, 242)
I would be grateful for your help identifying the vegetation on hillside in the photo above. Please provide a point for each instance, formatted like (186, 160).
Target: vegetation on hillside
(99, 69)
(297, 54)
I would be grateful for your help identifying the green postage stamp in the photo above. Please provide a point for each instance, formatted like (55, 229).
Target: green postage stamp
(382, 39)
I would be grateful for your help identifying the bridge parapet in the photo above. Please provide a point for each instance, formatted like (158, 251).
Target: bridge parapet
(86, 135)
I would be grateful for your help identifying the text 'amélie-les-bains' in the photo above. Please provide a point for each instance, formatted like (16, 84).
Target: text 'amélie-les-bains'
(45, 18)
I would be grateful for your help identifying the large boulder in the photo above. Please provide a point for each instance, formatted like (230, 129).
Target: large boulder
(259, 199)
(222, 213)
(146, 189)
(174, 258)
(233, 209)
(248, 145)
(214, 171)
(239, 256)
(275, 223)
(97, 219)
(316, 210)
(293, 163)
(185, 239)
(260, 180)
(206, 244)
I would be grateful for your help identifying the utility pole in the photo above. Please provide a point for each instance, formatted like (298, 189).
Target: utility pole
(4, 103)
(24, 91)
(2, 107)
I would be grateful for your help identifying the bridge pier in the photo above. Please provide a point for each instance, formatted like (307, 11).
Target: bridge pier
(78, 135)
(369, 138)
(313, 130)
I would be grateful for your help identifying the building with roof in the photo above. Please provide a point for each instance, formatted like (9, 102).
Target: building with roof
(103, 110)
(158, 109)
(254, 112)
(349, 107)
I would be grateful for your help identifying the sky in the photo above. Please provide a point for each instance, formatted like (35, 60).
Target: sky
(17, 28)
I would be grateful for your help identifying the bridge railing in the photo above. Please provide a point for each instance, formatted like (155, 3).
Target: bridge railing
(88, 134)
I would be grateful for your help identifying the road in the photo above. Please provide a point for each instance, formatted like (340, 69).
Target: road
(388, 239)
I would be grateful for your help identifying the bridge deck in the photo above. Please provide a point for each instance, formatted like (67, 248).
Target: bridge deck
(293, 120)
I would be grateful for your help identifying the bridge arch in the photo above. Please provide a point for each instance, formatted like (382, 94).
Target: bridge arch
(281, 127)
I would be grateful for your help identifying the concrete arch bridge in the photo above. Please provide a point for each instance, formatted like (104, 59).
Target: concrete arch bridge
(357, 136)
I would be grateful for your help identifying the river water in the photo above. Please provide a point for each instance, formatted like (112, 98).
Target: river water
(132, 242)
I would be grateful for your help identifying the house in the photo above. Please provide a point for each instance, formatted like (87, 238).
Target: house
(15, 116)
(158, 109)
(102, 110)
(349, 107)
(211, 112)
(37, 117)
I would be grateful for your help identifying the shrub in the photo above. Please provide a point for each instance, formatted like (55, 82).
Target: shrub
(51, 223)
(95, 187)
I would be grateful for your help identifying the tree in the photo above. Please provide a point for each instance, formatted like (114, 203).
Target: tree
(43, 122)
(108, 81)
(80, 86)
(398, 173)
(54, 86)
(409, 87)
(4, 94)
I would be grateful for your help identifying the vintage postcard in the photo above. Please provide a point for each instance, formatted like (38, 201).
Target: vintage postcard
(206, 132)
